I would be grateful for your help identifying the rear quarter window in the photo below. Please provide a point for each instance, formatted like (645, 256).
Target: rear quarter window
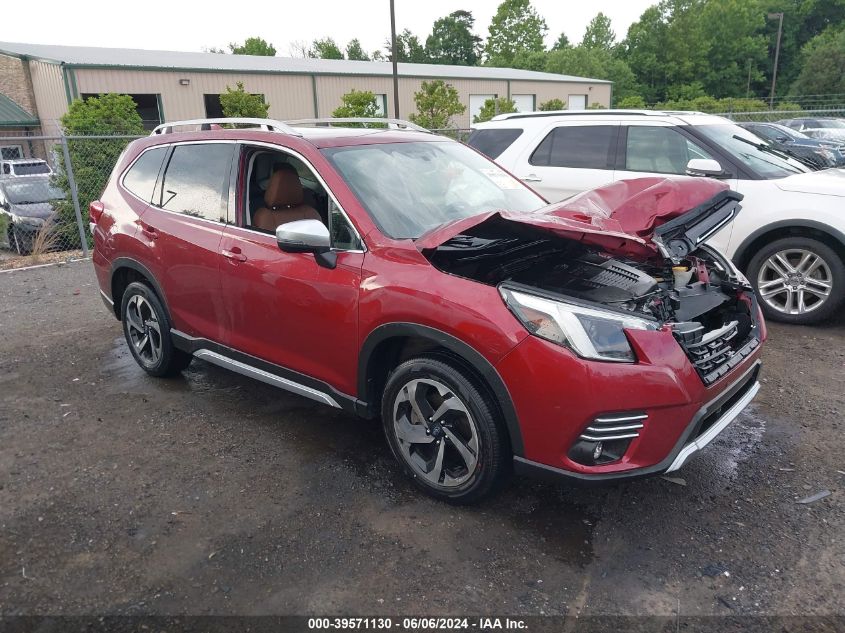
(493, 142)
(140, 179)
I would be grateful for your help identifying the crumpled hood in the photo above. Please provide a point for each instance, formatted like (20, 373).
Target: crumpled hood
(42, 210)
(619, 218)
(828, 182)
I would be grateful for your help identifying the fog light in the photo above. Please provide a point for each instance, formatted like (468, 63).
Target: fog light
(597, 452)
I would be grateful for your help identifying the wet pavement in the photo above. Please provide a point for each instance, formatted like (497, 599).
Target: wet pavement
(214, 494)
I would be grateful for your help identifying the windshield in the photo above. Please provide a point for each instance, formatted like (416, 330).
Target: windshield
(31, 169)
(765, 164)
(32, 192)
(411, 188)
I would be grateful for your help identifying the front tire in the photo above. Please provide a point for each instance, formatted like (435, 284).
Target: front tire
(443, 431)
(798, 280)
(147, 331)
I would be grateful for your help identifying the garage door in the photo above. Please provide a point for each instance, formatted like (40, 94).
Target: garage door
(577, 102)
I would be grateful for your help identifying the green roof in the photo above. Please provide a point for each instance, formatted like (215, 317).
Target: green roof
(12, 114)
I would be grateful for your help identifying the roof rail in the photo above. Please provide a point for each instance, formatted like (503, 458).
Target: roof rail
(265, 124)
(393, 124)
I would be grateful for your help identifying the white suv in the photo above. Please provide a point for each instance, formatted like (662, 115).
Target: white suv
(789, 237)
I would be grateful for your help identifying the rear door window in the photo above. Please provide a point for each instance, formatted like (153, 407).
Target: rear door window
(578, 146)
(196, 180)
(492, 142)
(141, 177)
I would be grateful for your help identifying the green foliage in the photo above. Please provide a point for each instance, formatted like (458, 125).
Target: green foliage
(551, 105)
(253, 46)
(240, 103)
(452, 40)
(530, 60)
(492, 107)
(357, 103)
(823, 61)
(408, 49)
(561, 43)
(355, 51)
(595, 105)
(631, 102)
(92, 159)
(719, 106)
(436, 102)
(326, 48)
(516, 27)
(599, 35)
(597, 64)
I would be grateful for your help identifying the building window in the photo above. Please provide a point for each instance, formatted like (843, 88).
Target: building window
(476, 102)
(524, 103)
(10, 152)
(577, 102)
(381, 105)
(147, 105)
(213, 108)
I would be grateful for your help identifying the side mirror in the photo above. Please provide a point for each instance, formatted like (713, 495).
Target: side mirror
(706, 167)
(307, 236)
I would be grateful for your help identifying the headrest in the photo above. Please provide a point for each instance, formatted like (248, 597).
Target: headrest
(284, 190)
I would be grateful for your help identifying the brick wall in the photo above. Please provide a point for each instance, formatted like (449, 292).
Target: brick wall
(16, 83)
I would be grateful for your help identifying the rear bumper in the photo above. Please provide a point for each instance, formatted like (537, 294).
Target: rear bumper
(708, 422)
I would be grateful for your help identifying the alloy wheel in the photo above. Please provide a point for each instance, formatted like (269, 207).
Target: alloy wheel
(144, 329)
(437, 436)
(794, 281)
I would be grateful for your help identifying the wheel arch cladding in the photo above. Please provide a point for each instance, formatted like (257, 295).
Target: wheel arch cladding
(788, 228)
(390, 344)
(123, 272)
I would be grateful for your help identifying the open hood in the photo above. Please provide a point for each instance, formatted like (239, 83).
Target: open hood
(641, 218)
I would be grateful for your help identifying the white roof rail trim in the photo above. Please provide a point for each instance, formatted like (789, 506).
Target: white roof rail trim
(394, 124)
(270, 125)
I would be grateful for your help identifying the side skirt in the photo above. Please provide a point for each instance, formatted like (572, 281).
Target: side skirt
(266, 372)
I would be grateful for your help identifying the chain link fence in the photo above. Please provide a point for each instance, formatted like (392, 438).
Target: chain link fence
(777, 116)
(46, 185)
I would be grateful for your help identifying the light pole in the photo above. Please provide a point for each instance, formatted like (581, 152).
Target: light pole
(772, 16)
(395, 63)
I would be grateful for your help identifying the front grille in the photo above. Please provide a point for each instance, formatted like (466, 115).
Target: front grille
(624, 426)
(716, 352)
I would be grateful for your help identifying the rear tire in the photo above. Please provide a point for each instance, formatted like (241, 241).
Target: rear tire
(798, 280)
(147, 331)
(444, 433)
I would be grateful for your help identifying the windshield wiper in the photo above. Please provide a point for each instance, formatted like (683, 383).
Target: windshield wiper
(763, 147)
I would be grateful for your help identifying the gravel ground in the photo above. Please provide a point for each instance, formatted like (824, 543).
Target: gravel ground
(215, 494)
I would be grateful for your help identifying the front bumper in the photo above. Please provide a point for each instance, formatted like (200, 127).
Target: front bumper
(705, 426)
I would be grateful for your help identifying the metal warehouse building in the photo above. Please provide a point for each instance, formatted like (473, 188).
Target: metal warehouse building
(43, 79)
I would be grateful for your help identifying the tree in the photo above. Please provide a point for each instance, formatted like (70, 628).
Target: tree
(408, 49)
(299, 49)
(595, 63)
(643, 51)
(599, 34)
(357, 103)
(552, 105)
(240, 103)
(253, 46)
(436, 102)
(561, 43)
(92, 159)
(356, 52)
(213, 49)
(530, 60)
(631, 102)
(378, 56)
(452, 40)
(822, 61)
(492, 107)
(326, 48)
(515, 27)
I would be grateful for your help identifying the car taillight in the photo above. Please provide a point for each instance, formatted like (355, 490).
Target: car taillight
(95, 210)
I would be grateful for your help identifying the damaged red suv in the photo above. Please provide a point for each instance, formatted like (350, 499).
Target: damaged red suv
(398, 274)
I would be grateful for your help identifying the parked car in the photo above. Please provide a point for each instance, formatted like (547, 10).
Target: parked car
(815, 153)
(27, 204)
(822, 127)
(395, 273)
(790, 240)
(18, 167)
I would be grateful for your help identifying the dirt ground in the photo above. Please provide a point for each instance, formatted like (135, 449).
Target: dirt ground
(215, 494)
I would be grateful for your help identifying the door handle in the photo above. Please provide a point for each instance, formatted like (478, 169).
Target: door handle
(532, 178)
(235, 254)
(149, 231)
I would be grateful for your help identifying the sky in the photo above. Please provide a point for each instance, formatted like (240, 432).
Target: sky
(192, 26)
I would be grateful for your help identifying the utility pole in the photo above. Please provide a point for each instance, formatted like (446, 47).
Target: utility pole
(748, 87)
(772, 16)
(395, 62)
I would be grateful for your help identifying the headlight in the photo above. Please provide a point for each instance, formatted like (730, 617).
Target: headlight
(589, 332)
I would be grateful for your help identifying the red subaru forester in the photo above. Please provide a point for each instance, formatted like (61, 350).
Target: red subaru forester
(391, 272)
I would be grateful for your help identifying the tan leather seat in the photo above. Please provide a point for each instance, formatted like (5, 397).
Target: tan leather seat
(283, 202)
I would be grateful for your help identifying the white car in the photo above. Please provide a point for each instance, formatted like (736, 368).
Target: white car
(789, 238)
(827, 128)
(20, 167)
